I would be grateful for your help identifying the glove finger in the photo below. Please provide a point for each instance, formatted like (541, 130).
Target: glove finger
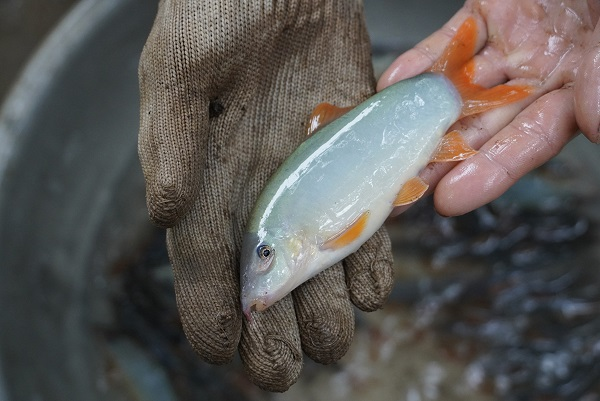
(270, 347)
(370, 272)
(325, 315)
(173, 117)
(206, 286)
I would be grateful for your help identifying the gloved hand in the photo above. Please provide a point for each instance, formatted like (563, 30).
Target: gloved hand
(226, 91)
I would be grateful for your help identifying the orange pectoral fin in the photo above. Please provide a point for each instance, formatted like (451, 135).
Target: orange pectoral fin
(348, 234)
(411, 191)
(323, 114)
(452, 148)
(457, 64)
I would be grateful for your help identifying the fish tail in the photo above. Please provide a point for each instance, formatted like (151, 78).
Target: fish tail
(457, 64)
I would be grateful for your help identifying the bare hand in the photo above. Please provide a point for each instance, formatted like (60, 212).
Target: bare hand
(549, 45)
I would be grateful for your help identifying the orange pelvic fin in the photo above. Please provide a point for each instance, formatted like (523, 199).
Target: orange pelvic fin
(411, 191)
(348, 234)
(456, 63)
(452, 148)
(323, 114)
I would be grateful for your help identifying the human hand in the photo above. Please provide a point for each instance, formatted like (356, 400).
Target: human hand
(549, 45)
(225, 96)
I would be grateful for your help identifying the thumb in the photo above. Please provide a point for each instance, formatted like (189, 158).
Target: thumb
(587, 90)
(172, 114)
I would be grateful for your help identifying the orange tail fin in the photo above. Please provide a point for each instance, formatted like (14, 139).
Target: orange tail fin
(456, 63)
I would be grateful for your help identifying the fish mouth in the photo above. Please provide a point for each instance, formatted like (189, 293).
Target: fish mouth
(255, 305)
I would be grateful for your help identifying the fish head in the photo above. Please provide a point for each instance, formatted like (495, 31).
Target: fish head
(271, 267)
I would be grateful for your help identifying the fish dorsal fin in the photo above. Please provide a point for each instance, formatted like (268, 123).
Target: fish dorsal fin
(452, 148)
(457, 64)
(411, 191)
(323, 114)
(348, 234)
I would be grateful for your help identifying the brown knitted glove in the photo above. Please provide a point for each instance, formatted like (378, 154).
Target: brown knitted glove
(226, 91)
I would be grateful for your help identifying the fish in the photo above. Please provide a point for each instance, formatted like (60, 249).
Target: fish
(357, 164)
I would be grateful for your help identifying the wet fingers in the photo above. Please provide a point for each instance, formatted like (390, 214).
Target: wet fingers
(425, 53)
(536, 135)
(587, 91)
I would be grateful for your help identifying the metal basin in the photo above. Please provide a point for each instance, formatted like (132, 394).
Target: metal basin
(71, 198)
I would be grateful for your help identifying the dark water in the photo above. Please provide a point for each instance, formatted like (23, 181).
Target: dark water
(513, 289)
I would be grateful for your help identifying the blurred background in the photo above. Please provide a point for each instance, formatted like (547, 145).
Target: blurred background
(23, 26)
(500, 304)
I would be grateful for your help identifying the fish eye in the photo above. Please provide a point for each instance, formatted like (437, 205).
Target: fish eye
(264, 252)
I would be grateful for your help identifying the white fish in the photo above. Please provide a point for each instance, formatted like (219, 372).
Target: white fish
(338, 187)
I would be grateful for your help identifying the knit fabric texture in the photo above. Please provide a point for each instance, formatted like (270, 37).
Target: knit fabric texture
(226, 91)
